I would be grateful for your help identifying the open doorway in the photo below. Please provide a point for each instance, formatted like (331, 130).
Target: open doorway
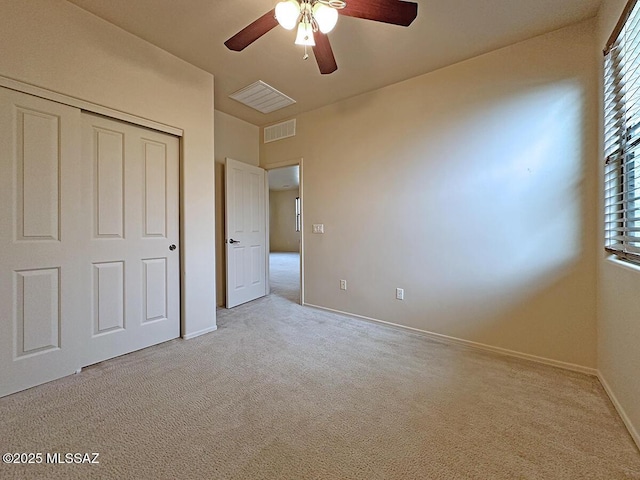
(285, 232)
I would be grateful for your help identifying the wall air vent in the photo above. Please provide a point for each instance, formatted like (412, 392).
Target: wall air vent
(262, 97)
(279, 131)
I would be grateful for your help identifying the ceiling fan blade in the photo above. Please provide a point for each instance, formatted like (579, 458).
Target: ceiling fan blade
(324, 55)
(252, 32)
(395, 12)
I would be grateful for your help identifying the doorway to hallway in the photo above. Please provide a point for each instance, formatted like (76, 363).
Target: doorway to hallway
(285, 232)
(284, 275)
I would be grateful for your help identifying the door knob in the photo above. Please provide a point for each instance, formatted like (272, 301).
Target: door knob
(172, 247)
(232, 241)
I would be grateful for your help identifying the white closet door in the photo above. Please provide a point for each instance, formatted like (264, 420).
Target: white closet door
(89, 254)
(133, 254)
(41, 273)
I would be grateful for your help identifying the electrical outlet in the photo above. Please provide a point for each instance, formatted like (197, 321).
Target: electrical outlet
(343, 284)
(400, 293)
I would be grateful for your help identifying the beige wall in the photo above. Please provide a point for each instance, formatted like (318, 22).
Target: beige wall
(282, 221)
(618, 289)
(57, 46)
(236, 139)
(473, 188)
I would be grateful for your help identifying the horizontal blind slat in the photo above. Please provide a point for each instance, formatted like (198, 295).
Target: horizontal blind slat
(622, 139)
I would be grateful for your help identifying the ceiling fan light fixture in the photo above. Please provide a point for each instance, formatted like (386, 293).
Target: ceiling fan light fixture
(303, 13)
(288, 13)
(326, 17)
(305, 35)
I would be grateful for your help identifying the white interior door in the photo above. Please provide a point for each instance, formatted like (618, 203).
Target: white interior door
(246, 239)
(40, 215)
(132, 232)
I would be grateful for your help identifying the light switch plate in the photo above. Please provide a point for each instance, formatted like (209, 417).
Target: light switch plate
(318, 228)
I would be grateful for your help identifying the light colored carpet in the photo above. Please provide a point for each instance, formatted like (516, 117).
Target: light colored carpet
(286, 392)
(284, 275)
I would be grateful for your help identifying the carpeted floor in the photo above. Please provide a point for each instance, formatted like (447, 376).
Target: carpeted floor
(284, 275)
(286, 392)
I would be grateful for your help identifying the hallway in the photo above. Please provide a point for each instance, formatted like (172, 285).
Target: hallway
(284, 275)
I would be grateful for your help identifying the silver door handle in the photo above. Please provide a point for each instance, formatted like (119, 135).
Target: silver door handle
(232, 241)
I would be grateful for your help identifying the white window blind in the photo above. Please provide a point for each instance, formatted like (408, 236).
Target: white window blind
(622, 137)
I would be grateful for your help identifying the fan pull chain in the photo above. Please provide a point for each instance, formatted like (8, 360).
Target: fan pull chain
(306, 55)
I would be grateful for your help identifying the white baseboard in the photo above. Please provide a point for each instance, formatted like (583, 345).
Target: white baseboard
(468, 343)
(623, 414)
(189, 336)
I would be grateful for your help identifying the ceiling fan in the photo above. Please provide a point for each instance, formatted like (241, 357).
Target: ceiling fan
(315, 18)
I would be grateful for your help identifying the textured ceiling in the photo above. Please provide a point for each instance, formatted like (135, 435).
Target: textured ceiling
(369, 54)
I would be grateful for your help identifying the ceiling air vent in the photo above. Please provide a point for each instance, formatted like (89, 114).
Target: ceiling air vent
(279, 131)
(262, 97)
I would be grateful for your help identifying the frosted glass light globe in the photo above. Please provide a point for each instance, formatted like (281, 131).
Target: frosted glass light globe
(287, 14)
(305, 35)
(325, 16)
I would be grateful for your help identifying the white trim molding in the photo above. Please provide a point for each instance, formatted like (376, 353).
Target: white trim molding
(189, 336)
(623, 414)
(475, 345)
(87, 106)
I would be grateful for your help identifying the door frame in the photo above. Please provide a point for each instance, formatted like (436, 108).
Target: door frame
(273, 166)
(84, 105)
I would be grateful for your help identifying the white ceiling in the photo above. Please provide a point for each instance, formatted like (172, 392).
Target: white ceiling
(285, 178)
(369, 54)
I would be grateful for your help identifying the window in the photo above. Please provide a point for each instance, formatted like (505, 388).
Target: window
(622, 136)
